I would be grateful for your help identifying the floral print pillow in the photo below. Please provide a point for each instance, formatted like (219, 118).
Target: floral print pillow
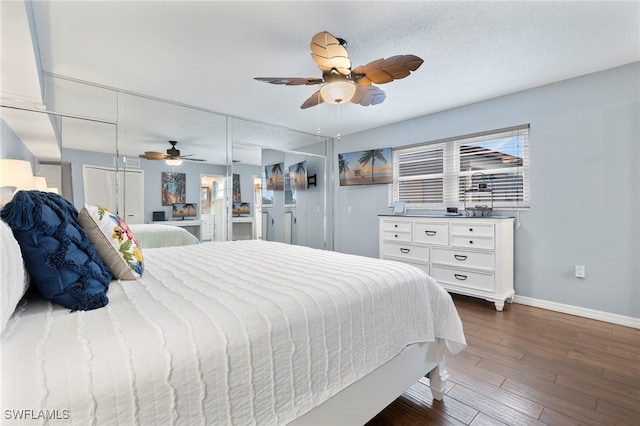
(113, 240)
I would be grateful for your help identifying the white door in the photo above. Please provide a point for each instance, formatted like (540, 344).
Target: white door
(100, 189)
(132, 184)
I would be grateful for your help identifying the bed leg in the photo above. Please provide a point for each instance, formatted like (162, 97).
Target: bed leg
(438, 381)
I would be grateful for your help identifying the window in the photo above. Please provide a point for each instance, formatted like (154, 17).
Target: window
(435, 175)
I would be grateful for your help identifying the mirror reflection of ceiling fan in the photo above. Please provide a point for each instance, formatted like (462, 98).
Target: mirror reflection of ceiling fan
(342, 84)
(172, 156)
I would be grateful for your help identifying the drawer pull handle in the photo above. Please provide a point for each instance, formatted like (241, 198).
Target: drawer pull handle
(470, 241)
(395, 226)
(396, 236)
(405, 250)
(460, 277)
(430, 233)
(470, 229)
(460, 257)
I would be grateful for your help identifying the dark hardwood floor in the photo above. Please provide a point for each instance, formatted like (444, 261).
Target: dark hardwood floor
(530, 366)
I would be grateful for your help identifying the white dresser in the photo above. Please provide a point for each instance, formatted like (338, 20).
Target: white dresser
(466, 255)
(207, 229)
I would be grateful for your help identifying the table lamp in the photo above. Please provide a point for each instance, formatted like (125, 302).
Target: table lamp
(14, 176)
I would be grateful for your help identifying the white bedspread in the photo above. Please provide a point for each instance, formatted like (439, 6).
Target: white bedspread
(244, 332)
(150, 235)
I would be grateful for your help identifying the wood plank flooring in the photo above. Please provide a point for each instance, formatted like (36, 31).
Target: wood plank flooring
(530, 366)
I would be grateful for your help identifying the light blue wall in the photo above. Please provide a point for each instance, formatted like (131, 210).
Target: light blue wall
(11, 147)
(585, 183)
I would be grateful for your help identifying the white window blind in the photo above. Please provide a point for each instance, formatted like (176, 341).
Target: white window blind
(435, 175)
(289, 194)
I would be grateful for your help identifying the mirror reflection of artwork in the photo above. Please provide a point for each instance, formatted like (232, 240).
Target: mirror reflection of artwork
(275, 177)
(365, 167)
(236, 188)
(241, 209)
(298, 175)
(173, 188)
(267, 196)
(181, 210)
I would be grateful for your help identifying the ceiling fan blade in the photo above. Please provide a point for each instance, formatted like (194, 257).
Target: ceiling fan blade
(313, 100)
(329, 53)
(173, 153)
(291, 81)
(383, 70)
(186, 157)
(152, 155)
(368, 95)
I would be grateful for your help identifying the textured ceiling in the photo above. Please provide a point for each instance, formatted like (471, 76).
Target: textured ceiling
(206, 53)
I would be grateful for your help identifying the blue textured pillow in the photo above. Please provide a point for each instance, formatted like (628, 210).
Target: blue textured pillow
(58, 254)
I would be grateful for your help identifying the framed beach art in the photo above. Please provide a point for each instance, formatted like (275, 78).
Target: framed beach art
(368, 167)
(298, 175)
(275, 176)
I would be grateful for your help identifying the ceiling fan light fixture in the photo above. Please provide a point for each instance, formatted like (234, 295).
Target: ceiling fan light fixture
(338, 92)
(173, 162)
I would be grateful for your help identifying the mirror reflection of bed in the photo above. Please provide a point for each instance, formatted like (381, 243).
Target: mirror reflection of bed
(154, 235)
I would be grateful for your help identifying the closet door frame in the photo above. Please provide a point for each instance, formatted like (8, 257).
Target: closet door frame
(103, 189)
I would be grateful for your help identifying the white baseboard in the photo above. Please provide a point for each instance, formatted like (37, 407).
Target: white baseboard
(581, 312)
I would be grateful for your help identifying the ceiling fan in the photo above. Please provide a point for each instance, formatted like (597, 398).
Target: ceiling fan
(342, 84)
(172, 154)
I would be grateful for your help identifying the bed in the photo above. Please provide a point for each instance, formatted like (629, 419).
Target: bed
(150, 235)
(241, 333)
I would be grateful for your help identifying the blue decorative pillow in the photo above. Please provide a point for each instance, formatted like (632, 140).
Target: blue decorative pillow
(58, 254)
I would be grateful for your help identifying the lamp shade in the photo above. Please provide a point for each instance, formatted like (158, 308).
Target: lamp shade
(173, 162)
(338, 92)
(16, 174)
(40, 183)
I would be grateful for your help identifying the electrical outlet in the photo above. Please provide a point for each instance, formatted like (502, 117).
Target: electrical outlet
(580, 271)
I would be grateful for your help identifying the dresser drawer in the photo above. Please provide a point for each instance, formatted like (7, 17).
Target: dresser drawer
(472, 242)
(406, 252)
(435, 233)
(472, 229)
(464, 258)
(396, 226)
(396, 236)
(463, 278)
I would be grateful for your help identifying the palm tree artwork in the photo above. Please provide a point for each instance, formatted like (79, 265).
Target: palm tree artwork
(275, 178)
(299, 173)
(343, 166)
(370, 156)
(372, 166)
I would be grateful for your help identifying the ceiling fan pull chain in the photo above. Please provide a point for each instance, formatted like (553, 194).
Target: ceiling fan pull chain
(339, 121)
(318, 115)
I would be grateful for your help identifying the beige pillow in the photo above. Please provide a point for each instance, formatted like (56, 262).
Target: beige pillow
(113, 240)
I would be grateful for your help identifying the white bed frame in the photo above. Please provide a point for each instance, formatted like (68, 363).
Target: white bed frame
(361, 401)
